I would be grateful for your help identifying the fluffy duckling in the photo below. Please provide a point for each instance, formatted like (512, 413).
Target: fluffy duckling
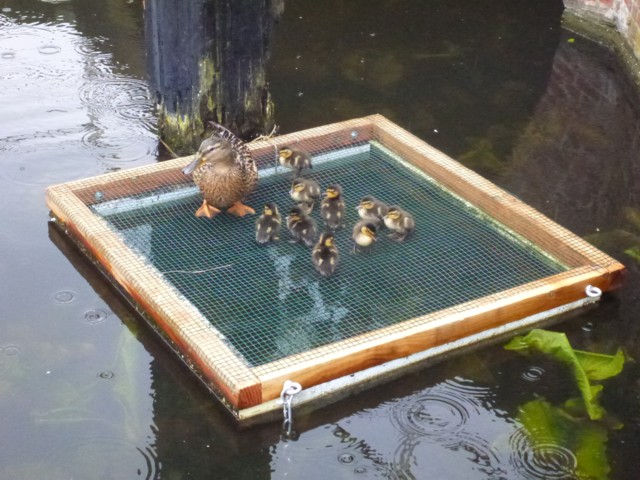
(294, 159)
(364, 234)
(268, 225)
(325, 256)
(370, 208)
(400, 222)
(225, 172)
(332, 207)
(301, 227)
(305, 191)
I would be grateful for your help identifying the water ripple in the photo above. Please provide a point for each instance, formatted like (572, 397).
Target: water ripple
(430, 415)
(124, 99)
(540, 460)
(342, 455)
(119, 149)
(446, 415)
(64, 296)
(533, 373)
(10, 350)
(49, 49)
(122, 126)
(124, 459)
(439, 412)
(95, 316)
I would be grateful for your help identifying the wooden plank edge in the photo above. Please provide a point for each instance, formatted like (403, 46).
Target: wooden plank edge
(240, 392)
(434, 330)
(144, 178)
(491, 199)
(332, 136)
(337, 389)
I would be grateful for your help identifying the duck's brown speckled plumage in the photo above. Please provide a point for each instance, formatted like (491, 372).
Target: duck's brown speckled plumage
(224, 170)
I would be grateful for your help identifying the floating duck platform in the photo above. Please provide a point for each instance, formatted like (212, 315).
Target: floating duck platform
(245, 318)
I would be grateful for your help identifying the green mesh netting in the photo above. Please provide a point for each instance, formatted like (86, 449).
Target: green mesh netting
(269, 302)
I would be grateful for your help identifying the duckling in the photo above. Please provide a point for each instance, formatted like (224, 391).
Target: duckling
(325, 255)
(268, 225)
(364, 234)
(301, 227)
(332, 207)
(295, 159)
(225, 172)
(400, 222)
(306, 192)
(370, 208)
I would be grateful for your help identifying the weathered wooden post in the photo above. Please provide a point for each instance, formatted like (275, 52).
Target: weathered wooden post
(207, 62)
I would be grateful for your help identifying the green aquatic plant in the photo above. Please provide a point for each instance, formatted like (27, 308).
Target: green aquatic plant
(547, 424)
(481, 156)
(586, 367)
(634, 252)
(566, 425)
(625, 239)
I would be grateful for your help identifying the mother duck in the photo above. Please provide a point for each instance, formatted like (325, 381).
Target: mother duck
(225, 172)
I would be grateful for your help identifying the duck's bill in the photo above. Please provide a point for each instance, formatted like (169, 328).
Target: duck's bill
(191, 167)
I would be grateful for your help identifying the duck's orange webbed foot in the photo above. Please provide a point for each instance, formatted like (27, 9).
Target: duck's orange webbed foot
(240, 210)
(207, 210)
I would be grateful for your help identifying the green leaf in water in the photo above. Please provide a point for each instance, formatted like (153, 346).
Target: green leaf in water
(598, 366)
(585, 366)
(549, 425)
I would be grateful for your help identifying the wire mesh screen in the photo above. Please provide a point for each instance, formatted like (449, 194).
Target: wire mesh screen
(269, 302)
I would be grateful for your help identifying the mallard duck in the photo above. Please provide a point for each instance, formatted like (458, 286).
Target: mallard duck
(305, 191)
(400, 222)
(370, 208)
(332, 207)
(268, 224)
(225, 172)
(294, 159)
(363, 235)
(301, 227)
(325, 256)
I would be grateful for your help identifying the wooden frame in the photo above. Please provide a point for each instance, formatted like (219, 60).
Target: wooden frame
(241, 386)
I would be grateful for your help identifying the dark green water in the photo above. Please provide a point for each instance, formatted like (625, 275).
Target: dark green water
(87, 392)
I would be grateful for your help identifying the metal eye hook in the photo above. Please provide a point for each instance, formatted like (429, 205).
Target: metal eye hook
(289, 390)
(592, 291)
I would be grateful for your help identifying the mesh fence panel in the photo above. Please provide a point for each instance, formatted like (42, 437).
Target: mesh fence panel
(269, 302)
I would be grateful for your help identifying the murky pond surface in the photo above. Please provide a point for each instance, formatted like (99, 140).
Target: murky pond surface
(87, 392)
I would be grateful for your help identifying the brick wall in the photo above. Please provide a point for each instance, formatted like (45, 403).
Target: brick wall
(624, 15)
(585, 132)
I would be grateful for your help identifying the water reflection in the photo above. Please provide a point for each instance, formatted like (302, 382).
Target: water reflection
(60, 418)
